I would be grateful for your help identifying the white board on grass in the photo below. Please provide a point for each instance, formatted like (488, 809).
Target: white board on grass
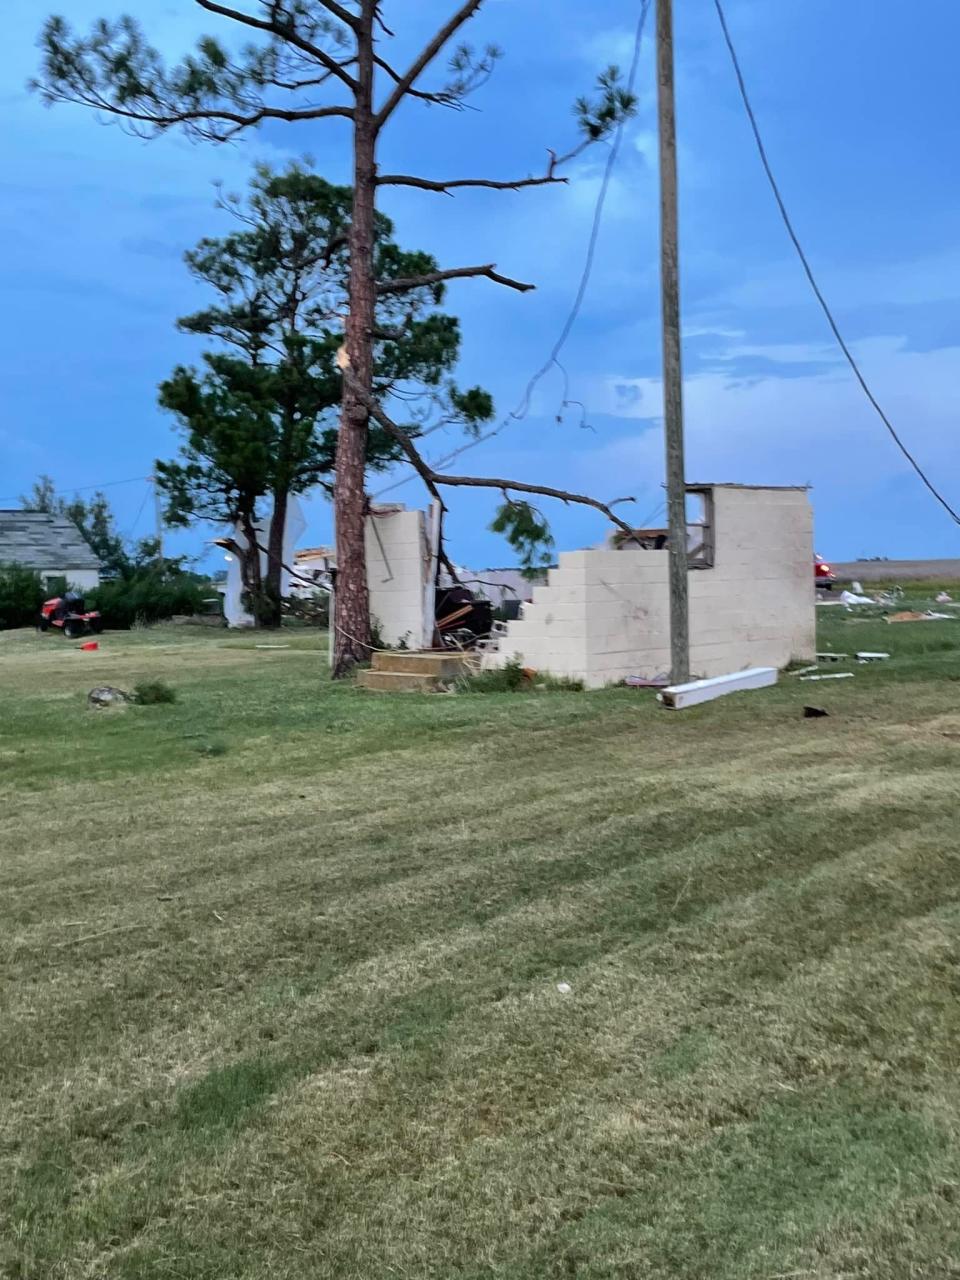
(679, 696)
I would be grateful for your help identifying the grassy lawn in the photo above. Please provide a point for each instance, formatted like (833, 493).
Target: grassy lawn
(280, 969)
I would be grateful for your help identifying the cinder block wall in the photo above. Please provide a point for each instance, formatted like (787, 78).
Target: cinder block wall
(396, 572)
(604, 615)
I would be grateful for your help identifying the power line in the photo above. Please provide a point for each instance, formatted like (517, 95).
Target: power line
(523, 407)
(85, 488)
(595, 227)
(147, 493)
(824, 306)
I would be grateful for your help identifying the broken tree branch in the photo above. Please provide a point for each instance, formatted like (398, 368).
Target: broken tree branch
(433, 479)
(420, 63)
(518, 486)
(454, 273)
(444, 188)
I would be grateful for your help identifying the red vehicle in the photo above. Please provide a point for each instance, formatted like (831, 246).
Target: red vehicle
(68, 613)
(823, 575)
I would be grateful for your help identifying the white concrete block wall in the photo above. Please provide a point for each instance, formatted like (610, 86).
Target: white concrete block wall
(604, 615)
(396, 574)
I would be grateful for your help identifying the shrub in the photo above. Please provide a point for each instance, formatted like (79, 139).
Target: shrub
(147, 595)
(21, 595)
(506, 679)
(513, 677)
(150, 692)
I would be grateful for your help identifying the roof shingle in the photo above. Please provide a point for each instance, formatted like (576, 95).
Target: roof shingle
(39, 540)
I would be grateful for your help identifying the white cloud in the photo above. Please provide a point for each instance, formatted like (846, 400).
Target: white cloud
(817, 429)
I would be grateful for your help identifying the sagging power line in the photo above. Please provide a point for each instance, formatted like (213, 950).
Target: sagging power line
(808, 271)
(523, 408)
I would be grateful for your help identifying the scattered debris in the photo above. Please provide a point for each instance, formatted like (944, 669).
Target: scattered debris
(944, 598)
(89, 647)
(271, 646)
(106, 696)
(564, 988)
(805, 671)
(851, 597)
(832, 675)
(891, 597)
(814, 713)
(866, 656)
(909, 615)
(679, 696)
(832, 657)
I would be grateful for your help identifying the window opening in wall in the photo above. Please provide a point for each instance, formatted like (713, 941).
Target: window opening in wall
(700, 539)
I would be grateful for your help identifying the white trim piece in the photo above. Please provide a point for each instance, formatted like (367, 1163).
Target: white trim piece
(678, 696)
(866, 656)
(834, 675)
(428, 626)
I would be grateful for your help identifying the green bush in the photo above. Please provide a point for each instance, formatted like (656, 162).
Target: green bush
(151, 692)
(147, 595)
(512, 678)
(21, 595)
(506, 679)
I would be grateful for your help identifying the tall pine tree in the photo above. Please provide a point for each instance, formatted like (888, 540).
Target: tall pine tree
(314, 60)
(259, 418)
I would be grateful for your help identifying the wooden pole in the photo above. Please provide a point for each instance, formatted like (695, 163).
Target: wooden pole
(158, 517)
(672, 367)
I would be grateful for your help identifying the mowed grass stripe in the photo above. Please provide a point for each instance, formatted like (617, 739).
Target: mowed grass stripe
(361, 1065)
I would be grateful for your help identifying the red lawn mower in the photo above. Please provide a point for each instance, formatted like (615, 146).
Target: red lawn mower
(68, 613)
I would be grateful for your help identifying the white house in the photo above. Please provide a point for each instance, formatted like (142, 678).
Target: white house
(51, 545)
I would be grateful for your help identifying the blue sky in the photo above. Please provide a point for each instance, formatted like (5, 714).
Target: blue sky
(859, 109)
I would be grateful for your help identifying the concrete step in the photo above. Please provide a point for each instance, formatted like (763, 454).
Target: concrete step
(398, 682)
(437, 665)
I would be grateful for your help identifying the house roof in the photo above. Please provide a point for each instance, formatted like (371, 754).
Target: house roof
(39, 540)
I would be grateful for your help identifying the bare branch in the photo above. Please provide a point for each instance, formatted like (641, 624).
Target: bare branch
(428, 184)
(517, 486)
(433, 479)
(288, 34)
(236, 119)
(344, 15)
(426, 56)
(454, 273)
(441, 99)
(310, 82)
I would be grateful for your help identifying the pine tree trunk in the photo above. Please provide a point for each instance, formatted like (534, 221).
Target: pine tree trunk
(250, 570)
(272, 595)
(352, 612)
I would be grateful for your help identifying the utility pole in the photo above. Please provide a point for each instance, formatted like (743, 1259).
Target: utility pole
(672, 367)
(158, 515)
